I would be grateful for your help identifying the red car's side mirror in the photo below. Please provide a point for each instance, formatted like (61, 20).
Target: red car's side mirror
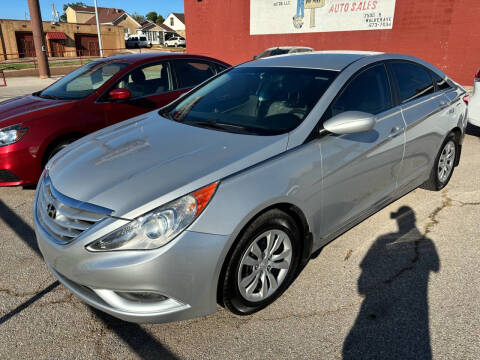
(120, 94)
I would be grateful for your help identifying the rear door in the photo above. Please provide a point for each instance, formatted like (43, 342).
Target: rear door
(423, 109)
(360, 170)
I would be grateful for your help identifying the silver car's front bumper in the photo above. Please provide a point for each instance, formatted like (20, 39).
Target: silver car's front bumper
(185, 272)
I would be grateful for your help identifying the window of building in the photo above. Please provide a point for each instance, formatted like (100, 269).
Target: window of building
(413, 81)
(368, 92)
(171, 21)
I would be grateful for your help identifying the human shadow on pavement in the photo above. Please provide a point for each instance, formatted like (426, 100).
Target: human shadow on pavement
(393, 319)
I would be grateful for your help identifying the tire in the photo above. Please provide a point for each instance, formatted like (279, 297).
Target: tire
(444, 164)
(249, 280)
(57, 149)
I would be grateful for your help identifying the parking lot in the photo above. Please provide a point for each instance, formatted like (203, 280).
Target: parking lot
(383, 290)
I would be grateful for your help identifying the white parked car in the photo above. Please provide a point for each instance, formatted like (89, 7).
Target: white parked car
(474, 105)
(137, 41)
(175, 41)
(282, 50)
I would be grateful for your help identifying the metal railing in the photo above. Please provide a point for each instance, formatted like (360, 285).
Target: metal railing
(13, 60)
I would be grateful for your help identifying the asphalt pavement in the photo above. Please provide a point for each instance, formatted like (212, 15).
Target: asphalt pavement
(403, 284)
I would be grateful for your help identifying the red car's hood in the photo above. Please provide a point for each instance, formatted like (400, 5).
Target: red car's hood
(23, 108)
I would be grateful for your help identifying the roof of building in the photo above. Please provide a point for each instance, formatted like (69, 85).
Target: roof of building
(331, 60)
(180, 16)
(105, 15)
(147, 24)
(91, 9)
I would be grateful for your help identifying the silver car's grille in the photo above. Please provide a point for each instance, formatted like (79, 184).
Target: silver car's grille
(65, 218)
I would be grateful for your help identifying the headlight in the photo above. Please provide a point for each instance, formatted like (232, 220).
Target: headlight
(11, 134)
(158, 227)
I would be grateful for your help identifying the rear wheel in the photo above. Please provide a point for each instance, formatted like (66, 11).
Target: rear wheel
(444, 164)
(262, 264)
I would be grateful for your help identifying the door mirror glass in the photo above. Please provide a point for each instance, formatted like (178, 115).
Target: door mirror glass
(350, 122)
(120, 94)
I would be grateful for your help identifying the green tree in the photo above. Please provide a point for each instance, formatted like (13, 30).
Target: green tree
(138, 18)
(63, 17)
(160, 19)
(152, 16)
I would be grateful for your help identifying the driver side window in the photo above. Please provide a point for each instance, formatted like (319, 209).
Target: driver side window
(151, 79)
(368, 92)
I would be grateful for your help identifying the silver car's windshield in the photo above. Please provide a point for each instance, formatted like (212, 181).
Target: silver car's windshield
(262, 101)
(83, 81)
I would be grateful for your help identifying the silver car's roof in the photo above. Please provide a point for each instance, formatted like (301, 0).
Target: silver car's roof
(328, 60)
(288, 47)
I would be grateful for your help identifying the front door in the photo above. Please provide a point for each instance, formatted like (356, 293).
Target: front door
(57, 49)
(151, 87)
(360, 170)
(87, 45)
(25, 45)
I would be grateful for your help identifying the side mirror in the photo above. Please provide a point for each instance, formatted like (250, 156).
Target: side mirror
(120, 94)
(350, 122)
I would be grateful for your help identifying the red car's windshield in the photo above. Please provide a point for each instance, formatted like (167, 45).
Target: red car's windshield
(83, 81)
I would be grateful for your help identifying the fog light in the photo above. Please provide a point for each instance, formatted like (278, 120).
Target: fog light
(142, 296)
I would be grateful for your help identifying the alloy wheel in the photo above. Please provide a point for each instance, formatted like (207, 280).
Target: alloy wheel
(446, 161)
(264, 265)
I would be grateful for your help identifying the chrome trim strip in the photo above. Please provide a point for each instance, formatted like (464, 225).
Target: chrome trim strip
(76, 204)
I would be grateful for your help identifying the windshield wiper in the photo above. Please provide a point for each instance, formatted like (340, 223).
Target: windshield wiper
(211, 124)
(45, 96)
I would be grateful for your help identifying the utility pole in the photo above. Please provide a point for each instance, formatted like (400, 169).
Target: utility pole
(38, 38)
(98, 30)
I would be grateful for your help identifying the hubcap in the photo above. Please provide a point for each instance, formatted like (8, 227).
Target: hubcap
(445, 163)
(264, 265)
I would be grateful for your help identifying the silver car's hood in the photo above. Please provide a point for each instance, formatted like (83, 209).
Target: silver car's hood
(144, 162)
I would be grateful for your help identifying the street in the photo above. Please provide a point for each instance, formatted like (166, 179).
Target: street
(404, 281)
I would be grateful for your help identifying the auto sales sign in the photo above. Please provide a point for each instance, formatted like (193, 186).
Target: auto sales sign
(305, 16)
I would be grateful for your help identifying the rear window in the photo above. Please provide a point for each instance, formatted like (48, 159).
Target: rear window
(442, 84)
(191, 72)
(413, 80)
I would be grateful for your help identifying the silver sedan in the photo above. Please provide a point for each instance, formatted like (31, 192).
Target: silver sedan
(221, 196)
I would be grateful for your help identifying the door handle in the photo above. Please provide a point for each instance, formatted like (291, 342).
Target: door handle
(396, 130)
(443, 103)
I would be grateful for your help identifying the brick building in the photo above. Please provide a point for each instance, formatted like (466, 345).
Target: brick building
(106, 16)
(443, 32)
(62, 39)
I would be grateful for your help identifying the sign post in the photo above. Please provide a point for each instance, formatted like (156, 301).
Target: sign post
(312, 5)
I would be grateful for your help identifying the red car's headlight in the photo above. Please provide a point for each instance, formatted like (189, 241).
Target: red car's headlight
(11, 134)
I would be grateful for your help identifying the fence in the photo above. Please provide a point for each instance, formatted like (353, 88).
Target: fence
(15, 61)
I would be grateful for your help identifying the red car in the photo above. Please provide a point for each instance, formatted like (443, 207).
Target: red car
(35, 127)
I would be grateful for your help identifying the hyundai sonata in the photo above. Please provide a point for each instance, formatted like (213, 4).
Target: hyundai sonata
(223, 195)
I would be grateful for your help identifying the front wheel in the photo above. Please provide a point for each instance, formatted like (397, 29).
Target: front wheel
(444, 164)
(262, 264)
